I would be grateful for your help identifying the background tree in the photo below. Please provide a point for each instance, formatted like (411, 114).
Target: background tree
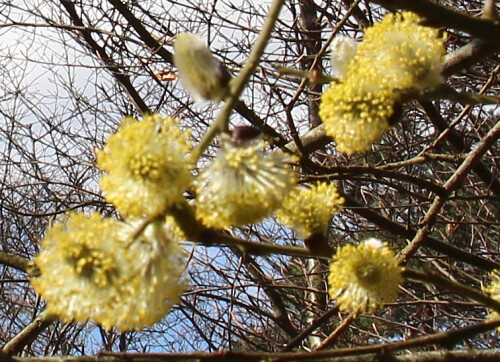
(70, 71)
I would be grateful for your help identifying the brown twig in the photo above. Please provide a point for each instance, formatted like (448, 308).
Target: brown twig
(14, 261)
(28, 334)
(447, 17)
(451, 185)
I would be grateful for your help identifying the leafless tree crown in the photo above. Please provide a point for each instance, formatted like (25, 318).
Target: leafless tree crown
(71, 70)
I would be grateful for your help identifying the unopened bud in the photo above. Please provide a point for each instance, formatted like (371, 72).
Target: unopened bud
(203, 76)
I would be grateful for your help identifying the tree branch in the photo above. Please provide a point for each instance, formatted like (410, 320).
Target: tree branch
(451, 185)
(447, 17)
(28, 334)
(14, 261)
(115, 70)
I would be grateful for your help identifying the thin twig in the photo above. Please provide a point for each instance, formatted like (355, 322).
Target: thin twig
(343, 325)
(238, 84)
(451, 185)
(28, 334)
(429, 277)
